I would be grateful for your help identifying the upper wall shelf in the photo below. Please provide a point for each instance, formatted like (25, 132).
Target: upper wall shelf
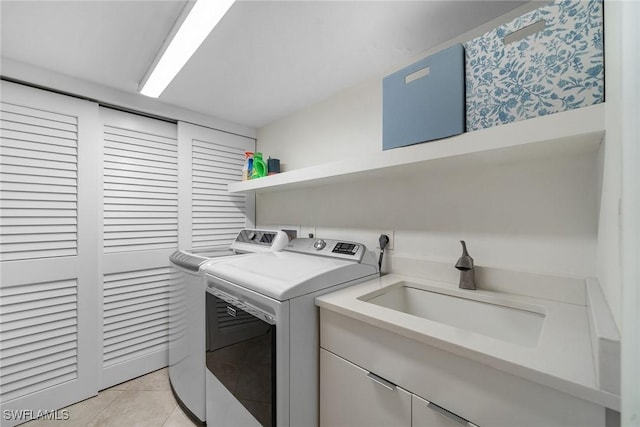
(577, 130)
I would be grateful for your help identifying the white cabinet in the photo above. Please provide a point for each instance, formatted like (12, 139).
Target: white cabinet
(445, 389)
(352, 396)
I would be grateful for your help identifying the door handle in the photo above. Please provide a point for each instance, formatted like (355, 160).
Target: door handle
(384, 383)
(448, 414)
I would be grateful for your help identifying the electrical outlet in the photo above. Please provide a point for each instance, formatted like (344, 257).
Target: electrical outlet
(306, 231)
(391, 235)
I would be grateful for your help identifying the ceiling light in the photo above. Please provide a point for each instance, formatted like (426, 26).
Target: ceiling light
(202, 18)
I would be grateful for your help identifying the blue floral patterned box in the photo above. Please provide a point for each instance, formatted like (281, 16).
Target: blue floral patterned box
(546, 61)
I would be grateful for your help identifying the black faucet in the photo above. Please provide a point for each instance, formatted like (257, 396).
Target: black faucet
(465, 265)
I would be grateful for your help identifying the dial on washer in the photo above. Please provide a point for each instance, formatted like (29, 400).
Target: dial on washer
(319, 244)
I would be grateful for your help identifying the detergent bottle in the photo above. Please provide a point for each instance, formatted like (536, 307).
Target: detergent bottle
(259, 166)
(247, 169)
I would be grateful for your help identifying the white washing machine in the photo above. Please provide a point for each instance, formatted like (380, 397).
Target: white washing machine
(187, 313)
(262, 357)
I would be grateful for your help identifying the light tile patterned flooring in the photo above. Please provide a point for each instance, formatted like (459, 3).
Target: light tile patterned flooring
(146, 401)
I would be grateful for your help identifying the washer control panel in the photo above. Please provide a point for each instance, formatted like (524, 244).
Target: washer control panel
(345, 248)
(328, 247)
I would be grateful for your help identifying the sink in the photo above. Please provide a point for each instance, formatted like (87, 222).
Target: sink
(503, 321)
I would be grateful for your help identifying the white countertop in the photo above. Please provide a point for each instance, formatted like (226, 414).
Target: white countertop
(562, 358)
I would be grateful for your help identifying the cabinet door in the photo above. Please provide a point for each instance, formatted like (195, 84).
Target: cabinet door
(427, 414)
(352, 396)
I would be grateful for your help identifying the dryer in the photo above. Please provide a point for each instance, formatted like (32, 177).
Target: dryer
(187, 339)
(262, 358)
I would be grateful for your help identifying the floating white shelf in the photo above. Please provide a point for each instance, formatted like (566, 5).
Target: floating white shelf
(573, 131)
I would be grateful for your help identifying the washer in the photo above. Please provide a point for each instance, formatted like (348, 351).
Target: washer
(262, 357)
(187, 313)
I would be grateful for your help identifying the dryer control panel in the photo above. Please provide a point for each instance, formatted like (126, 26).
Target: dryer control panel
(249, 240)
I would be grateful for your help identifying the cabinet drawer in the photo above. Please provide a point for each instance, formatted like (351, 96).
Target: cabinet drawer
(352, 396)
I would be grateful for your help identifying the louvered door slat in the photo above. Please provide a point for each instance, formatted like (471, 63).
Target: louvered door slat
(39, 120)
(121, 228)
(38, 181)
(36, 131)
(134, 183)
(38, 141)
(135, 304)
(122, 151)
(216, 216)
(19, 332)
(143, 138)
(152, 168)
(37, 163)
(130, 147)
(126, 196)
(135, 201)
(115, 222)
(42, 352)
(217, 230)
(141, 168)
(118, 329)
(36, 112)
(217, 149)
(127, 171)
(144, 217)
(127, 278)
(126, 318)
(24, 201)
(39, 341)
(35, 307)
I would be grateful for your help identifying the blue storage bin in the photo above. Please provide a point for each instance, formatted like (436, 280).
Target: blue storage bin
(424, 101)
(546, 61)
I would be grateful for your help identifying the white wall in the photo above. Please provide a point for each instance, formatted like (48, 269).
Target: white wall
(535, 216)
(609, 228)
(630, 214)
(539, 216)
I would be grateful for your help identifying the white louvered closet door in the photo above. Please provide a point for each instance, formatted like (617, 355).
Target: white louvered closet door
(48, 251)
(210, 160)
(140, 231)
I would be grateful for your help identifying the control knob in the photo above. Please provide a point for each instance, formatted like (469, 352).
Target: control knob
(319, 244)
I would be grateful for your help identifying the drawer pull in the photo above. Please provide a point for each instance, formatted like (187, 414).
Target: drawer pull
(450, 415)
(384, 383)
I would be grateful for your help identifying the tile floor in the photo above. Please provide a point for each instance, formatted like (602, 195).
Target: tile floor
(146, 401)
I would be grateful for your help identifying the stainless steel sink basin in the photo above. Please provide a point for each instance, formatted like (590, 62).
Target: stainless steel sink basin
(506, 322)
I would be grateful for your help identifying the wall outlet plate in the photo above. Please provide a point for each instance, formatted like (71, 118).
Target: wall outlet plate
(391, 235)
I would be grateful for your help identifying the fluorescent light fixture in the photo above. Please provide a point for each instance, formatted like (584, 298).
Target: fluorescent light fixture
(202, 18)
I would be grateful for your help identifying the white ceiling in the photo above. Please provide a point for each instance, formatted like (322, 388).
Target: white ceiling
(265, 59)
